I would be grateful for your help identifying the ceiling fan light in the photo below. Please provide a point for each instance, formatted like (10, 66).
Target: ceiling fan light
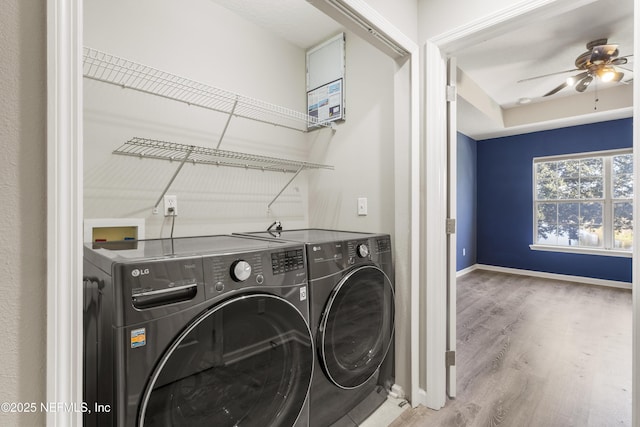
(607, 74)
(571, 81)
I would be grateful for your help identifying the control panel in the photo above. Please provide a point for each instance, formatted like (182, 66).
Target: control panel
(233, 272)
(384, 245)
(284, 262)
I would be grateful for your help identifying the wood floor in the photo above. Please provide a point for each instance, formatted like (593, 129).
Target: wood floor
(537, 352)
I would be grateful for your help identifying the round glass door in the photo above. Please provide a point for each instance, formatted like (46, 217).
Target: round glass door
(357, 327)
(246, 362)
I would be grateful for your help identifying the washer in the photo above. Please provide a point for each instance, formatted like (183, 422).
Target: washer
(351, 286)
(196, 331)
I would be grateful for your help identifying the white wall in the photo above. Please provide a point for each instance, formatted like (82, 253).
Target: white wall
(361, 149)
(207, 43)
(23, 184)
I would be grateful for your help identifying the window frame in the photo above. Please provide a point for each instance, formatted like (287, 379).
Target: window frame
(607, 201)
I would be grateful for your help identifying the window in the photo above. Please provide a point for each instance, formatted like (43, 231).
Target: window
(584, 203)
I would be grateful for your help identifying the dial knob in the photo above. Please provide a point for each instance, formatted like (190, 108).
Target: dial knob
(240, 270)
(363, 251)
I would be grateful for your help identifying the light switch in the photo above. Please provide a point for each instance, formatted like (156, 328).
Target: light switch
(362, 205)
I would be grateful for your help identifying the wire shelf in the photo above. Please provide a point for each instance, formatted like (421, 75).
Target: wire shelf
(163, 150)
(112, 69)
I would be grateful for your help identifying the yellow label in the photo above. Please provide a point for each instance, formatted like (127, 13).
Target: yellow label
(138, 337)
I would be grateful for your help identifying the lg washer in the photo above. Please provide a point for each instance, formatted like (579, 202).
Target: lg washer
(352, 307)
(196, 331)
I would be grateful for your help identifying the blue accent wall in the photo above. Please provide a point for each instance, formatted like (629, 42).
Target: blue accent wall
(505, 200)
(466, 201)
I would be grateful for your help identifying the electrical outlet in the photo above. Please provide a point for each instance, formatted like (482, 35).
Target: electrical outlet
(170, 205)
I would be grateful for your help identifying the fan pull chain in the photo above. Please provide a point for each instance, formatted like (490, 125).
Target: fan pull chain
(595, 102)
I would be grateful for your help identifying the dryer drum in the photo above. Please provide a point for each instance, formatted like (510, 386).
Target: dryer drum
(357, 327)
(247, 361)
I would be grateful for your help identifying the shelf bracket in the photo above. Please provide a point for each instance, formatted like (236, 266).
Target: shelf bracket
(224, 131)
(175, 174)
(286, 185)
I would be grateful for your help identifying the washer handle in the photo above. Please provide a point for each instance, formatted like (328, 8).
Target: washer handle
(164, 296)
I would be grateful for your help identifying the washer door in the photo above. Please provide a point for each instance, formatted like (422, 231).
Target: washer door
(247, 361)
(356, 327)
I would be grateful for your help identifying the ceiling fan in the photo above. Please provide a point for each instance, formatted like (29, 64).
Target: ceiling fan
(599, 61)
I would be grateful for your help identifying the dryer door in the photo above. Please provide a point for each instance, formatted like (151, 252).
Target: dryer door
(247, 361)
(356, 328)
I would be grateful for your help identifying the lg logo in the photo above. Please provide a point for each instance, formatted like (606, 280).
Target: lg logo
(139, 272)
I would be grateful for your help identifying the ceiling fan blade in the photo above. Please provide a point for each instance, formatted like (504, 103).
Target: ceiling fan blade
(556, 89)
(547, 75)
(603, 53)
(619, 61)
(575, 79)
(584, 83)
(570, 81)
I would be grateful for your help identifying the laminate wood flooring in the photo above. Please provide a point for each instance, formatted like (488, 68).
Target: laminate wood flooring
(537, 352)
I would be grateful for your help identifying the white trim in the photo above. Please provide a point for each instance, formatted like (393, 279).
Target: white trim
(635, 372)
(555, 276)
(583, 155)
(369, 24)
(466, 271)
(502, 21)
(452, 188)
(435, 210)
(416, 216)
(64, 209)
(582, 250)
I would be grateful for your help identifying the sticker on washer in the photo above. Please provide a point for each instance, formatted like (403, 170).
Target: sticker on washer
(138, 337)
(303, 293)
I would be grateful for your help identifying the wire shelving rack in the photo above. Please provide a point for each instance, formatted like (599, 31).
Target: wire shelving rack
(108, 68)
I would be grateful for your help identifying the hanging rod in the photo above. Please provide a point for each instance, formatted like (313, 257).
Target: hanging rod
(112, 69)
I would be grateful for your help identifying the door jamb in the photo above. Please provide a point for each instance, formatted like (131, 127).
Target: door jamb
(64, 210)
(436, 52)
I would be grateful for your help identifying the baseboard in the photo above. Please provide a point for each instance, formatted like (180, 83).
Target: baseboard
(555, 276)
(466, 270)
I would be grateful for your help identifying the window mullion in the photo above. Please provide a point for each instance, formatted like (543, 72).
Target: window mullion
(607, 209)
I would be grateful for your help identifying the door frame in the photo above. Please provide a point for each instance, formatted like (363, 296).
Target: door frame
(437, 50)
(65, 192)
(64, 210)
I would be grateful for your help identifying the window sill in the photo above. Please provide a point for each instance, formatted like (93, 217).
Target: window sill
(586, 251)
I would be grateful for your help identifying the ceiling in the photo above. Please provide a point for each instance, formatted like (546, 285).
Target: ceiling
(496, 66)
(490, 71)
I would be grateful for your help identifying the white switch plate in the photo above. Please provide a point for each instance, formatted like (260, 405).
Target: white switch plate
(362, 205)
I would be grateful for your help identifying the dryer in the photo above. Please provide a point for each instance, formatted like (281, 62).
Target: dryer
(196, 331)
(352, 307)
